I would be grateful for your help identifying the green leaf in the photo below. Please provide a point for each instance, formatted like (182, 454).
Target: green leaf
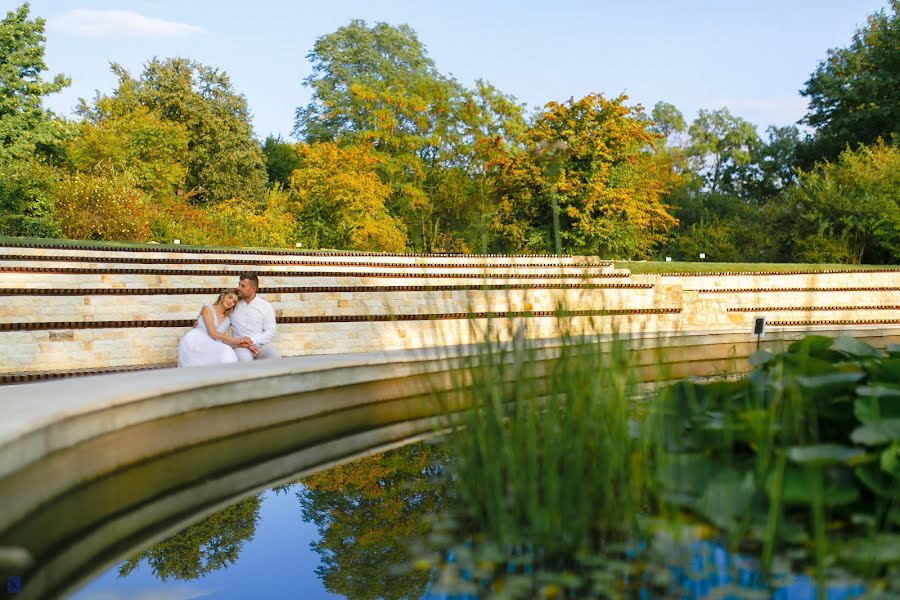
(824, 454)
(811, 344)
(727, 498)
(760, 357)
(871, 408)
(882, 548)
(798, 488)
(830, 380)
(883, 431)
(854, 347)
(893, 350)
(879, 481)
(890, 460)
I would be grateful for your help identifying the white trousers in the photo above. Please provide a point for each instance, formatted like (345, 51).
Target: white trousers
(265, 351)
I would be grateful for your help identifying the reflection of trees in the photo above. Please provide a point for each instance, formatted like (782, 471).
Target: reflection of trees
(366, 512)
(211, 544)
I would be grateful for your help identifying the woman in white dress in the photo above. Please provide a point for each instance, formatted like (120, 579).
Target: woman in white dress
(209, 342)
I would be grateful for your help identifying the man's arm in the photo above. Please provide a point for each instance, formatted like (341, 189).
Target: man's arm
(268, 325)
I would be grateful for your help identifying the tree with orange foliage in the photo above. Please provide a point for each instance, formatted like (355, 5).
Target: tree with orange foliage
(595, 156)
(338, 200)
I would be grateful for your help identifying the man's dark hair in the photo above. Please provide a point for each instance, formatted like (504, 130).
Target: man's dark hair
(252, 278)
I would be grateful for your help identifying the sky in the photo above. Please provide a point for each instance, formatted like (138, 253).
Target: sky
(751, 57)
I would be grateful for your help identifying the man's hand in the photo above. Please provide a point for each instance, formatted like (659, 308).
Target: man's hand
(253, 350)
(245, 342)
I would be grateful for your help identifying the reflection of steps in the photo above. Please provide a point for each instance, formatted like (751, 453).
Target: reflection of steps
(75, 310)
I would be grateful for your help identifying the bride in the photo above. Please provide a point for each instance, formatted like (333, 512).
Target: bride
(209, 343)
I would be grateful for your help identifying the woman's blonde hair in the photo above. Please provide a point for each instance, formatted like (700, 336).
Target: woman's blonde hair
(221, 297)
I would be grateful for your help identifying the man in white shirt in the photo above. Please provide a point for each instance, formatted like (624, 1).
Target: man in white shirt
(253, 320)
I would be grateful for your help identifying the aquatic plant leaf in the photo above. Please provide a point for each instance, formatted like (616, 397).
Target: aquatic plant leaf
(727, 498)
(879, 481)
(893, 350)
(890, 460)
(884, 371)
(824, 454)
(811, 344)
(874, 408)
(882, 548)
(760, 357)
(830, 380)
(853, 347)
(883, 431)
(797, 488)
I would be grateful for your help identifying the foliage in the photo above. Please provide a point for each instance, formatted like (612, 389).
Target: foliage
(102, 207)
(224, 159)
(592, 155)
(26, 128)
(26, 199)
(338, 200)
(854, 94)
(721, 149)
(281, 160)
(366, 513)
(213, 543)
(846, 209)
(150, 150)
(244, 223)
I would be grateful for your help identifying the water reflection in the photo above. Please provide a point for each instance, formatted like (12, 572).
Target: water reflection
(213, 543)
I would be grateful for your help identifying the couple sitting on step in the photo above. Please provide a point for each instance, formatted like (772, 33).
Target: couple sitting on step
(239, 326)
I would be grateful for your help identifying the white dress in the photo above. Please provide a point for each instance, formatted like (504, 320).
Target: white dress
(197, 348)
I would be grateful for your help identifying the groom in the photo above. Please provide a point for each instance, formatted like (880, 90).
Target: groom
(253, 320)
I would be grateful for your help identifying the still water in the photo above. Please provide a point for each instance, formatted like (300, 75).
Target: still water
(345, 533)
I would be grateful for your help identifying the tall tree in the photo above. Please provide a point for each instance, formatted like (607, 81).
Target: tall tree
(593, 156)
(30, 137)
(721, 149)
(854, 94)
(224, 159)
(281, 160)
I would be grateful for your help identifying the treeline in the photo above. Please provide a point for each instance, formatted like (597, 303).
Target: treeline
(397, 156)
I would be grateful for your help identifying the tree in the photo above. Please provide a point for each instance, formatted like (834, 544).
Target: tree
(224, 159)
(367, 512)
(339, 200)
(721, 150)
(30, 137)
(854, 94)
(209, 545)
(667, 120)
(26, 128)
(595, 156)
(846, 210)
(281, 160)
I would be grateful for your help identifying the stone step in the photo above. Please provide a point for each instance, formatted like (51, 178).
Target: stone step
(122, 344)
(175, 303)
(231, 256)
(774, 282)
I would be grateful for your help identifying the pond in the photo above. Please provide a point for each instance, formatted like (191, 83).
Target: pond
(357, 531)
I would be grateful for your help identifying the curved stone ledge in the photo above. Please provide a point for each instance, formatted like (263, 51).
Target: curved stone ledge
(832, 322)
(777, 290)
(773, 273)
(744, 309)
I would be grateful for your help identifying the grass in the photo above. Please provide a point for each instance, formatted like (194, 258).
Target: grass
(570, 483)
(640, 267)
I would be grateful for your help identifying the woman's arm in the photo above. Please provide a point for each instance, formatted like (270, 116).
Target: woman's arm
(206, 315)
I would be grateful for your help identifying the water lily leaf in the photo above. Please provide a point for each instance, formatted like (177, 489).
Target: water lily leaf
(893, 350)
(854, 347)
(874, 408)
(830, 380)
(797, 488)
(760, 357)
(882, 548)
(824, 454)
(811, 344)
(883, 431)
(879, 481)
(727, 498)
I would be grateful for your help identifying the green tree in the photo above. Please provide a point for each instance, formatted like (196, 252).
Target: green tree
(854, 94)
(30, 136)
(281, 160)
(667, 120)
(845, 210)
(209, 545)
(721, 150)
(224, 159)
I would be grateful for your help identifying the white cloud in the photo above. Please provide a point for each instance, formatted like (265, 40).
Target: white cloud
(103, 23)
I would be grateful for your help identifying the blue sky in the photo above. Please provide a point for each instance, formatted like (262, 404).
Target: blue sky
(752, 57)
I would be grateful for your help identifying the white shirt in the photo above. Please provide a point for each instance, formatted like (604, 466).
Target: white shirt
(255, 320)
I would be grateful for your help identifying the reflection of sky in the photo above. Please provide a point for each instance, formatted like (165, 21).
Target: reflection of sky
(276, 563)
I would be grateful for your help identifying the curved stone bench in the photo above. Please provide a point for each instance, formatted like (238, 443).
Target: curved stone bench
(137, 456)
